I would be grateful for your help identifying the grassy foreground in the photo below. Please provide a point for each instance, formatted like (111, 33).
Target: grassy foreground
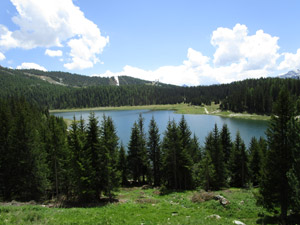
(182, 108)
(137, 206)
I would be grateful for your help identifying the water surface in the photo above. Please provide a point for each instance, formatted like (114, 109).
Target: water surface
(201, 125)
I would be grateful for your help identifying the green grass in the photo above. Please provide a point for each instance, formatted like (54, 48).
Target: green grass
(212, 109)
(137, 206)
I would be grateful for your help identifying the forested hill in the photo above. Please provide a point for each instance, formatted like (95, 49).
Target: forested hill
(76, 80)
(252, 95)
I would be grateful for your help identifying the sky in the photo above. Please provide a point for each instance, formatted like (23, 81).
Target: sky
(181, 42)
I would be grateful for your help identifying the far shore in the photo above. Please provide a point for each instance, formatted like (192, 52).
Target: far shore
(182, 108)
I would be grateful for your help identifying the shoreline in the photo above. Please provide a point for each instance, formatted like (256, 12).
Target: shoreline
(177, 108)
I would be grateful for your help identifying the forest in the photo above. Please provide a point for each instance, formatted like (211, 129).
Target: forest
(252, 95)
(41, 158)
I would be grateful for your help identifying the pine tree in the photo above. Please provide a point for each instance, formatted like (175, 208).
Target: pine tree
(171, 153)
(186, 153)
(134, 156)
(80, 163)
(255, 164)
(154, 151)
(57, 155)
(238, 163)
(145, 169)
(207, 173)
(226, 143)
(213, 147)
(274, 188)
(195, 150)
(122, 166)
(109, 173)
(92, 149)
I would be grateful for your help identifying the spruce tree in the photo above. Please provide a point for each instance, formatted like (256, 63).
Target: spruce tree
(226, 142)
(135, 163)
(275, 189)
(145, 169)
(154, 151)
(238, 163)
(109, 173)
(80, 162)
(123, 165)
(255, 161)
(186, 153)
(213, 147)
(207, 173)
(171, 153)
(92, 149)
(57, 155)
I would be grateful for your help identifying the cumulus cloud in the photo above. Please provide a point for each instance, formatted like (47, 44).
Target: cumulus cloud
(237, 56)
(59, 23)
(27, 65)
(53, 53)
(291, 61)
(2, 56)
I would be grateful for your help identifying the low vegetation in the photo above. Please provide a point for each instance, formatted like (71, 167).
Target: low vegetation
(139, 206)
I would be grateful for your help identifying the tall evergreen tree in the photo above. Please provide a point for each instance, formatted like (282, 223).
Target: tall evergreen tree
(122, 165)
(274, 188)
(154, 151)
(135, 163)
(255, 161)
(57, 155)
(226, 142)
(145, 169)
(92, 149)
(238, 163)
(213, 147)
(186, 152)
(109, 174)
(177, 164)
(207, 173)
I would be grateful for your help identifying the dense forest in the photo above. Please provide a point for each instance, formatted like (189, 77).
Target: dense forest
(40, 158)
(252, 95)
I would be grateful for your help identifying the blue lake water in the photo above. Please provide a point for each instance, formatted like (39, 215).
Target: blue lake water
(200, 125)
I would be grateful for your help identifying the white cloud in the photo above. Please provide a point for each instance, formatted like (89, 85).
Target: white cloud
(51, 23)
(237, 56)
(53, 53)
(2, 56)
(26, 65)
(291, 61)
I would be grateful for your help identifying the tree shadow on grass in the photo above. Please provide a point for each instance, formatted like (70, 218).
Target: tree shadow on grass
(291, 219)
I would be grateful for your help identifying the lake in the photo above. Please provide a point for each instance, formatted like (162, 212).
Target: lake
(200, 125)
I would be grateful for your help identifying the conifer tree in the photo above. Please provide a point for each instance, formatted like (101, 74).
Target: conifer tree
(226, 142)
(145, 169)
(213, 147)
(186, 153)
(122, 165)
(275, 188)
(109, 173)
(134, 156)
(92, 149)
(255, 161)
(57, 155)
(238, 163)
(195, 150)
(80, 162)
(171, 154)
(154, 151)
(207, 173)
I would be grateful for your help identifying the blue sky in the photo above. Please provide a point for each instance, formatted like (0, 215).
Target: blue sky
(179, 42)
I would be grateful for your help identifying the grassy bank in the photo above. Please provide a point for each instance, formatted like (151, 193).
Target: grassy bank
(137, 206)
(212, 109)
